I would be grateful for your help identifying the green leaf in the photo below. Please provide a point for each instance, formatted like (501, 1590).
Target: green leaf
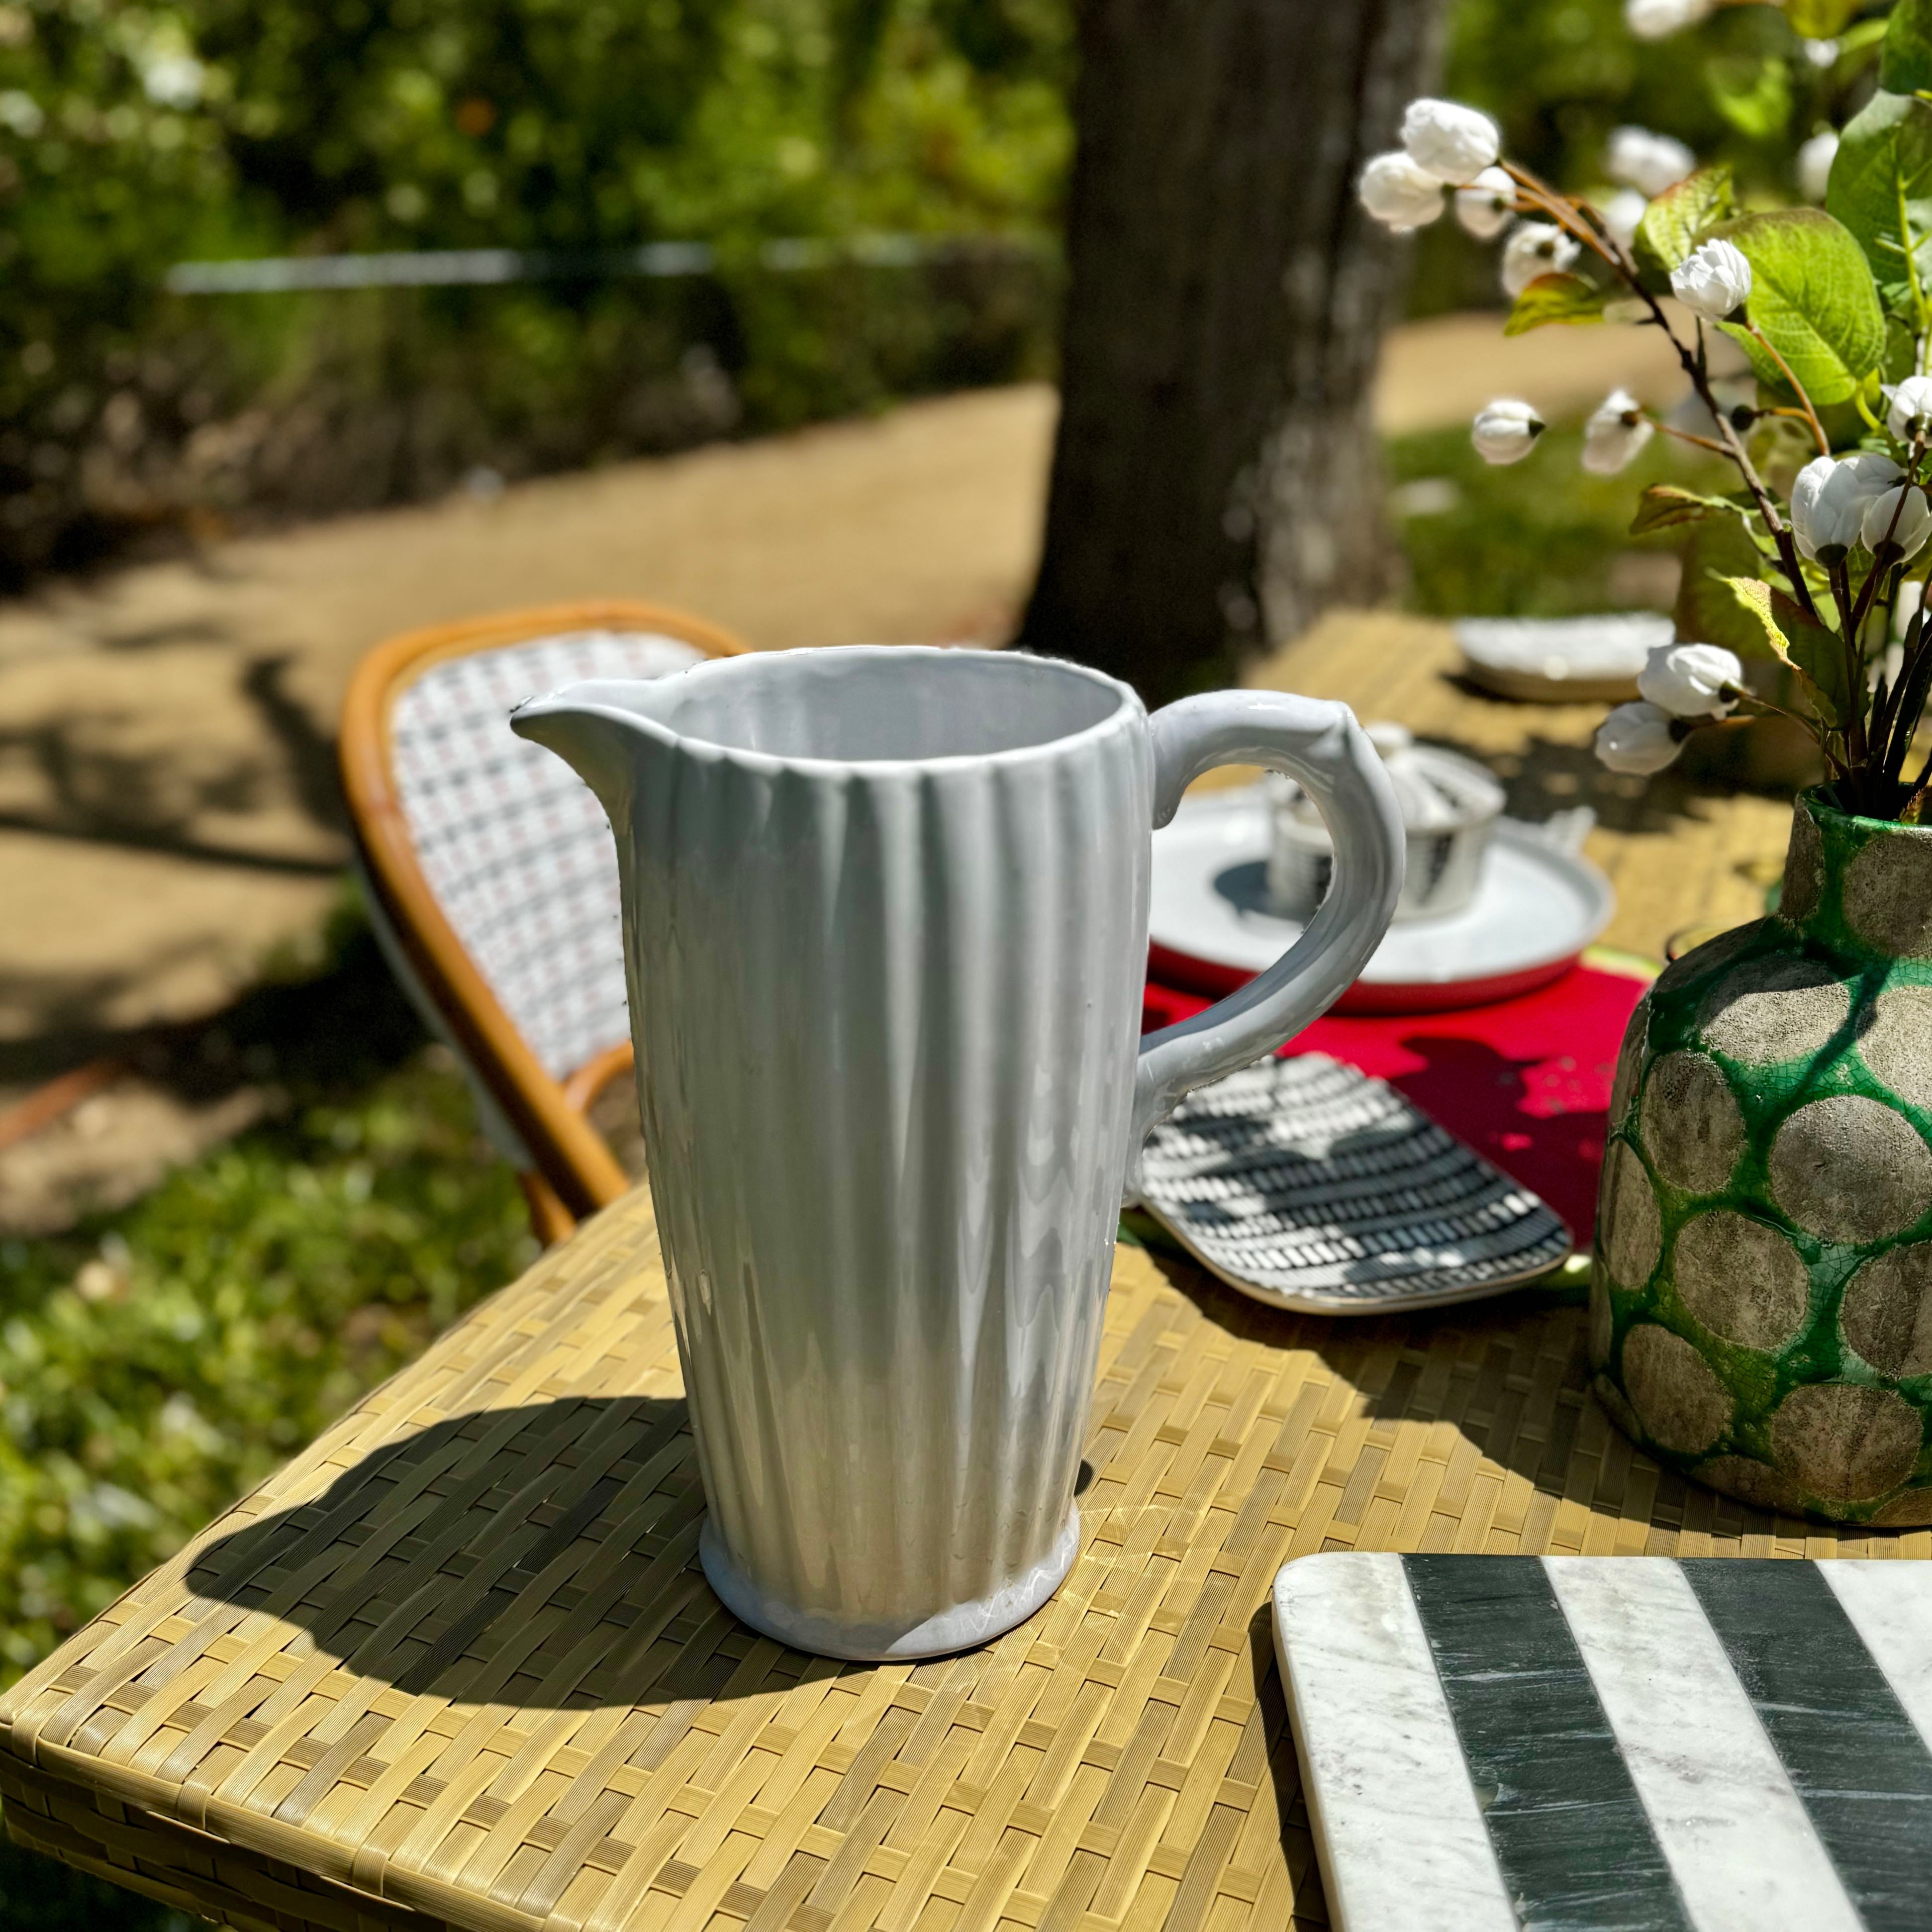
(1818, 658)
(1857, 44)
(1901, 360)
(1813, 297)
(1558, 298)
(1820, 20)
(1753, 599)
(1882, 183)
(1664, 505)
(1906, 65)
(1675, 222)
(1812, 651)
(1754, 96)
(1707, 612)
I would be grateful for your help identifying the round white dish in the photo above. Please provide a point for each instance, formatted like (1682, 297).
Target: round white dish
(1538, 906)
(1561, 660)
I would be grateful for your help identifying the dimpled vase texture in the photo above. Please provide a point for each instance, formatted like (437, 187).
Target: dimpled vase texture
(1761, 1306)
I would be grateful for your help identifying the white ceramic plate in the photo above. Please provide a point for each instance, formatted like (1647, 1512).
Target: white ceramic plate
(1538, 906)
(1561, 660)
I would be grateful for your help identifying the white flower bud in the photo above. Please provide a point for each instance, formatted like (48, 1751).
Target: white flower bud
(1712, 280)
(1821, 53)
(1906, 524)
(1506, 431)
(1485, 207)
(1535, 248)
(1814, 165)
(1657, 19)
(1453, 142)
(1622, 212)
(1829, 499)
(1638, 739)
(1911, 412)
(1616, 430)
(1649, 162)
(1400, 194)
(1690, 680)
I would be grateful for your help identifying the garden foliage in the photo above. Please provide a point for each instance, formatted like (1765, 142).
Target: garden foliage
(132, 137)
(1813, 566)
(157, 1361)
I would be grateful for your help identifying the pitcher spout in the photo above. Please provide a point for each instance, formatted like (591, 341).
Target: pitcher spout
(597, 729)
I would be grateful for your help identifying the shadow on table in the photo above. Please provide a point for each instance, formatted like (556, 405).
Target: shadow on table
(543, 1556)
(1284, 1768)
(1545, 775)
(1532, 1118)
(1503, 1351)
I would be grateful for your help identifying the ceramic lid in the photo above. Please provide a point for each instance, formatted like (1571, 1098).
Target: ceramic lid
(1437, 790)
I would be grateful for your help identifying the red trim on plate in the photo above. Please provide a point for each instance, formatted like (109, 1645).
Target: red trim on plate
(1213, 979)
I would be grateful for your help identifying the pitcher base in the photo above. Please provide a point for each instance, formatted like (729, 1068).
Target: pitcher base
(964, 1627)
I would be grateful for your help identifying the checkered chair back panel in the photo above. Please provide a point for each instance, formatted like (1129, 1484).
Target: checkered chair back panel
(513, 843)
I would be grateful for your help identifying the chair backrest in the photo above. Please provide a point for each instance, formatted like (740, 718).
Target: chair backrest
(493, 863)
(512, 842)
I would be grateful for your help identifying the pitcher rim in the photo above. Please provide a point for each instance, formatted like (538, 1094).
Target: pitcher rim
(1127, 707)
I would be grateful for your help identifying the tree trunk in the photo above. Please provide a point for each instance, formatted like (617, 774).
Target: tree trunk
(1216, 479)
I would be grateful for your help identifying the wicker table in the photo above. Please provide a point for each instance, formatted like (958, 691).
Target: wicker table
(457, 1664)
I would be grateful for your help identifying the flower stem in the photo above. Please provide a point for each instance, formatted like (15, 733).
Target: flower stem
(1810, 414)
(1882, 564)
(1571, 216)
(1853, 727)
(1694, 368)
(1917, 288)
(1685, 436)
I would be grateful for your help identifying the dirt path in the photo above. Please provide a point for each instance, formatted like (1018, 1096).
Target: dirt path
(167, 813)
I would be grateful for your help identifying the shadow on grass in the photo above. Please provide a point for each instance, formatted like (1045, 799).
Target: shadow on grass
(334, 1022)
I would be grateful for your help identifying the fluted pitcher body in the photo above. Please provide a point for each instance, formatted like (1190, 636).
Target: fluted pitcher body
(885, 924)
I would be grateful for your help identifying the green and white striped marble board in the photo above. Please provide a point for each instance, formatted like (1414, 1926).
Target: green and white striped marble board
(1574, 1743)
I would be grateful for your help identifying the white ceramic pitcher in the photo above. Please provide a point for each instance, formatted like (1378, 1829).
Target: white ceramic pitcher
(885, 922)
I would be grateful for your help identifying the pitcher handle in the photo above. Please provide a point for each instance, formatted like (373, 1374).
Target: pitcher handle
(1318, 743)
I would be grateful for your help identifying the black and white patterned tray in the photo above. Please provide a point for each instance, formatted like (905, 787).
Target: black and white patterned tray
(1312, 1186)
(1581, 1743)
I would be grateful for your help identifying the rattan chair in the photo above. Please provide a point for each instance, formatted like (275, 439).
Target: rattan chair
(491, 874)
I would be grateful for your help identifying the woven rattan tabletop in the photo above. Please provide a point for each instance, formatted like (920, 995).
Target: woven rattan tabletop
(457, 1663)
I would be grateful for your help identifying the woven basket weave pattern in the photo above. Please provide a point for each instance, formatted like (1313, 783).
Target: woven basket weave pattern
(512, 841)
(456, 1663)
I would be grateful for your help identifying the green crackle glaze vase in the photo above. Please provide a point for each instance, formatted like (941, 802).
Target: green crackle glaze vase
(1761, 1303)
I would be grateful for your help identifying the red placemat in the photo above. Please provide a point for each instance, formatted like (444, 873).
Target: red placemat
(1526, 1081)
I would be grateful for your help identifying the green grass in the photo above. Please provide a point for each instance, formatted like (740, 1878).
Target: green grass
(158, 1362)
(1538, 538)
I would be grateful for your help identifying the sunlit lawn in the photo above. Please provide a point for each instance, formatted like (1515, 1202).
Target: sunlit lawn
(1541, 538)
(159, 1361)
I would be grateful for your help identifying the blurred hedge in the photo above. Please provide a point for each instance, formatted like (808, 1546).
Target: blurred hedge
(1560, 75)
(303, 404)
(132, 137)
